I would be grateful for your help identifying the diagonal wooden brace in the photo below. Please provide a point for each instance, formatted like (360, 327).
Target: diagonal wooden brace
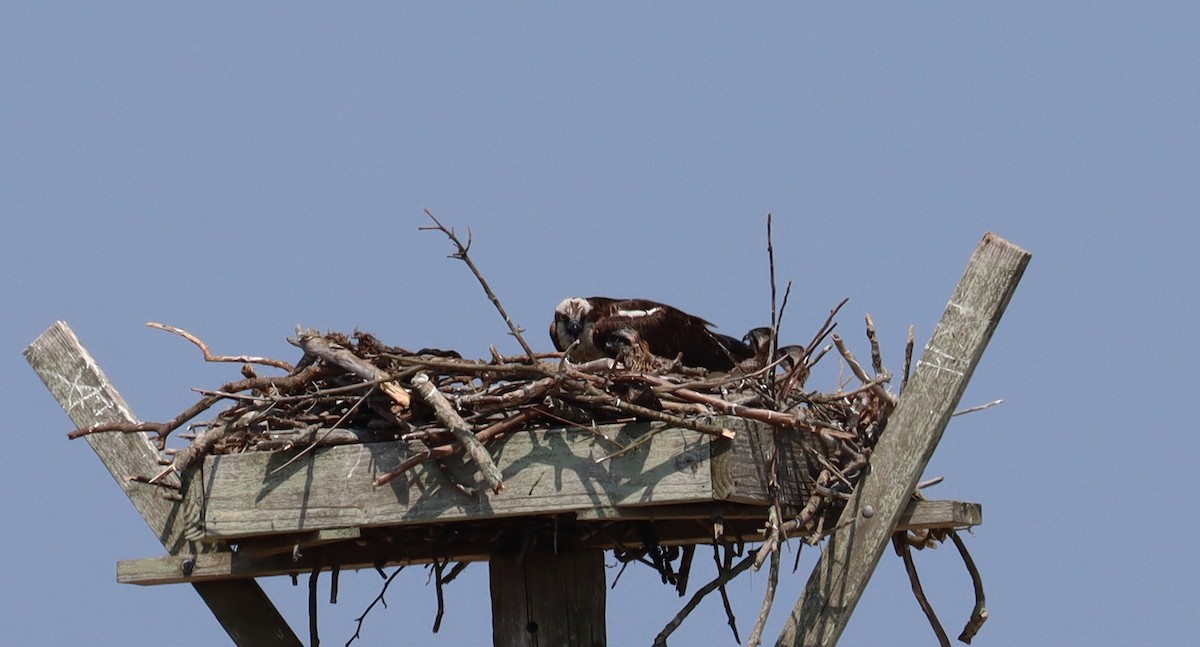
(913, 432)
(86, 395)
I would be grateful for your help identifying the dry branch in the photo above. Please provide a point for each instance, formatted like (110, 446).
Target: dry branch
(462, 254)
(905, 551)
(210, 357)
(318, 346)
(979, 613)
(452, 421)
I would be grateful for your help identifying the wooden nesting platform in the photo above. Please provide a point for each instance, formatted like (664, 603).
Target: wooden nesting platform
(674, 488)
(241, 516)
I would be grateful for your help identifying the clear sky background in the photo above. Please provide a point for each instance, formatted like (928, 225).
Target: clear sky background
(236, 171)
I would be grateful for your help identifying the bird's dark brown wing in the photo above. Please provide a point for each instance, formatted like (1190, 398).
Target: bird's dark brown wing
(670, 332)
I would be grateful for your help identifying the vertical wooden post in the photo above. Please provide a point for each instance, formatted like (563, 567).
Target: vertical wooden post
(87, 396)
(546, 599)
(913, 432)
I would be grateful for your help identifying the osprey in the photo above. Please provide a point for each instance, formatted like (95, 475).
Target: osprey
(665, 331)
(759, 340)
(627, 347)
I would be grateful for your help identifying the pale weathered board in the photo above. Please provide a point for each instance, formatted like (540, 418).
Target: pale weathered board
(87, 396)
(545, 472)
(913, 432)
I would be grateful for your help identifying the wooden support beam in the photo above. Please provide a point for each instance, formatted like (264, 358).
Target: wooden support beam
(274, 556)
(88, 398)
(912, 434)
(542, 597)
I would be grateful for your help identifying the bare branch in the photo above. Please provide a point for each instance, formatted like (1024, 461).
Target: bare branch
(450, 419)
(978, 407)
(462, 255)
(378, 600)
(209, 357)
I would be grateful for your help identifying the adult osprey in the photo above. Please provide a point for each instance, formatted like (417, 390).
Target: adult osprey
(666, 331)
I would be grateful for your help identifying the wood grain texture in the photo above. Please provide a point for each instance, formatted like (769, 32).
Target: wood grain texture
(912, 434)
(545, 472)
(88, 398)
(542, 598)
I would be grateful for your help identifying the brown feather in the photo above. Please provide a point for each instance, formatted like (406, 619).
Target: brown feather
(667, 332)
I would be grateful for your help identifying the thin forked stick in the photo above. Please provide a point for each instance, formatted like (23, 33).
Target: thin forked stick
(461, 254)
(774, 315)
(378, 600)
(209, 357)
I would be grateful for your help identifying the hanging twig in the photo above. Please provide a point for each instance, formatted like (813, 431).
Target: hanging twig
(378, 600)
(335, 573)
(979, 614)
(726, 565)
(722, 578)
(314, 637)
(685, 568)
(438, 566)
(462, 255)
(902, 547)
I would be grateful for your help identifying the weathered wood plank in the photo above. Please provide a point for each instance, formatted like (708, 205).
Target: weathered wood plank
(923, 515)
(545, 472)
(913, 432)
(216, 567)
(87, 396)
(275, 557)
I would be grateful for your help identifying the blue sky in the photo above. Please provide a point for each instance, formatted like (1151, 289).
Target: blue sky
(238, 170)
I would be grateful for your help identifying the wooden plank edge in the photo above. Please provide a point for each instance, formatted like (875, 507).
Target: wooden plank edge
(208, 567)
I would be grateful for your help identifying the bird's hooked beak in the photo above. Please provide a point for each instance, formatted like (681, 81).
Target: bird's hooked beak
(574, 328)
